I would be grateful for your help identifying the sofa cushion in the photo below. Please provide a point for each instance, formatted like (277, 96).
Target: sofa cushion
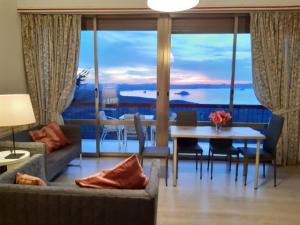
(26, 179)
(126, 175)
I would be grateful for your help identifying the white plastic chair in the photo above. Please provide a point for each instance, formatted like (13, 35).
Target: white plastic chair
(110, 128)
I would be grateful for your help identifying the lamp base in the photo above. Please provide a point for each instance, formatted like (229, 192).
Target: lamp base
(14, 156)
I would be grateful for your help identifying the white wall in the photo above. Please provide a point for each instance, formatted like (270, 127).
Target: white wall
(143, 3)
(12, 78)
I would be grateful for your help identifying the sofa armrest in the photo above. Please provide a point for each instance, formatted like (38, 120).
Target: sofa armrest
(34, 166)
(33, 147)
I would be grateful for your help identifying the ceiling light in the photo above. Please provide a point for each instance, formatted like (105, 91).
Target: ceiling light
(171, 5)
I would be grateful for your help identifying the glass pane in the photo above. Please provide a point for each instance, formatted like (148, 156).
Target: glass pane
(127, 85)
(246, 106)
(200, 72)
(83, 104)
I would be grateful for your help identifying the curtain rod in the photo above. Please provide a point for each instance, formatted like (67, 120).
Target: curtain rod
(149, 11)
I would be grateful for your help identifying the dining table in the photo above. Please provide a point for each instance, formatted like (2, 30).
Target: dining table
(208, 132)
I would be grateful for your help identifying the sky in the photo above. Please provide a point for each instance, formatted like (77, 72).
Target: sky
(131, 56)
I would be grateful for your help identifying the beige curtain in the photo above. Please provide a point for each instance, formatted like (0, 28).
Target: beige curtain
(51, 52)
(276, 74)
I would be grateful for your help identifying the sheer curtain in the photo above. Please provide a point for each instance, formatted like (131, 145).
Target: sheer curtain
(51, 52)
(276, 74)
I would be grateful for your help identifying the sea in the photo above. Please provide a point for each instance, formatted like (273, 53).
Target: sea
(202, 95)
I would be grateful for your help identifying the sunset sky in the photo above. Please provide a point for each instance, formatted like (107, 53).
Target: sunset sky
(130, 57)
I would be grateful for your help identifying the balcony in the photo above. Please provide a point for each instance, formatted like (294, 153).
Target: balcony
(83, 114)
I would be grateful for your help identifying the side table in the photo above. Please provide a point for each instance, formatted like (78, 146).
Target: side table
(6, 164)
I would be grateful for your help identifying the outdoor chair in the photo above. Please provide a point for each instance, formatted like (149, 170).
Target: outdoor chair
(106, 129)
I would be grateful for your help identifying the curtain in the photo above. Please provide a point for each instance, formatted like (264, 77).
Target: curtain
(51, 52)
(276, 74)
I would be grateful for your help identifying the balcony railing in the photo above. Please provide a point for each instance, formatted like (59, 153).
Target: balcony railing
(83, 113)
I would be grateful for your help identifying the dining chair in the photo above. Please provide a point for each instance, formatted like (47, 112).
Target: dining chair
(172, 117)
(221, 146)
(130, 131)
(109, 128)
(188, 145)
(150, 152)
(268, 151)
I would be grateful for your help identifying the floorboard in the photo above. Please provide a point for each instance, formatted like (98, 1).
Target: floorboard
(217, 201)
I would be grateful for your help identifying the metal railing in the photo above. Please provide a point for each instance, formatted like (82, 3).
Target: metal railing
(83, 113)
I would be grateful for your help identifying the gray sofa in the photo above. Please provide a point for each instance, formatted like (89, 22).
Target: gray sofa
(55, 162)
(72, 205)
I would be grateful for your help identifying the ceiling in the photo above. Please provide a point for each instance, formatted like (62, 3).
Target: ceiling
(138, 4)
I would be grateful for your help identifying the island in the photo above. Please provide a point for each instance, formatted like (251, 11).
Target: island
(182, 93)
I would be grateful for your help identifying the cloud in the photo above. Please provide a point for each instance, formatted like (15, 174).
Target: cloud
(130, 57)
(144, 42)
(207, 47)
(145, 75)
(130, 75)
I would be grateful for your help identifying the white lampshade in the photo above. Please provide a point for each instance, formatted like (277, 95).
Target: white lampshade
(16, 110)
(171, 5)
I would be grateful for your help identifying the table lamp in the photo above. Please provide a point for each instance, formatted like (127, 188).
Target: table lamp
(15, 110)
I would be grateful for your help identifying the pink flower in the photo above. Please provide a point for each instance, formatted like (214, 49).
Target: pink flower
(220, 117)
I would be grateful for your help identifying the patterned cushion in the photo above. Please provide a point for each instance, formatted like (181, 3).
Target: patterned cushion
(51, 135)
(26, 179)
(126, 175)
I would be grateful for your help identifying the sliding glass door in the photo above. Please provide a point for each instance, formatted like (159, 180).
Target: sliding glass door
(127, 85)
(201, 73)
(156, 66)
(116, 79)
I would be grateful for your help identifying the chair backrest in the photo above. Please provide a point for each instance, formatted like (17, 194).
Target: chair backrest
(102, 115)
(172, 116)
(139, 132)
(273, 133)
(130, 130)
(186, 118)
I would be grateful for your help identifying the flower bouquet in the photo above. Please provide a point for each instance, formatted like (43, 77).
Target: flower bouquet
(219, 118)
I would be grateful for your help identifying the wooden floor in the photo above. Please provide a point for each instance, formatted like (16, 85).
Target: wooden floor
(218, 201)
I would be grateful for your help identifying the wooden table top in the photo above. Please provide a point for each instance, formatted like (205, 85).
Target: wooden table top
(210, 132)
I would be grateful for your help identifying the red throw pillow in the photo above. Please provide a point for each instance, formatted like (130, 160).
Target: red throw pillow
(26, 179)
(51, 135)
(126, 175)
(57, 134)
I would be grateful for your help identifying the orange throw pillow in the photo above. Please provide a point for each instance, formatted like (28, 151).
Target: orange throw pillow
(26, 179)
(126, 175)
(51, 135)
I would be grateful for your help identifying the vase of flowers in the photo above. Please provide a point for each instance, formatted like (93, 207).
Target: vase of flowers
(219, 118)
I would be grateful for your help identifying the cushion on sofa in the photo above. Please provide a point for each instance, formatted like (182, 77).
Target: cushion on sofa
(51, 135)
(26, 179)
(126, 175)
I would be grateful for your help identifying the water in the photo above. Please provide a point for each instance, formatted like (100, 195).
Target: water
(202, 96)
